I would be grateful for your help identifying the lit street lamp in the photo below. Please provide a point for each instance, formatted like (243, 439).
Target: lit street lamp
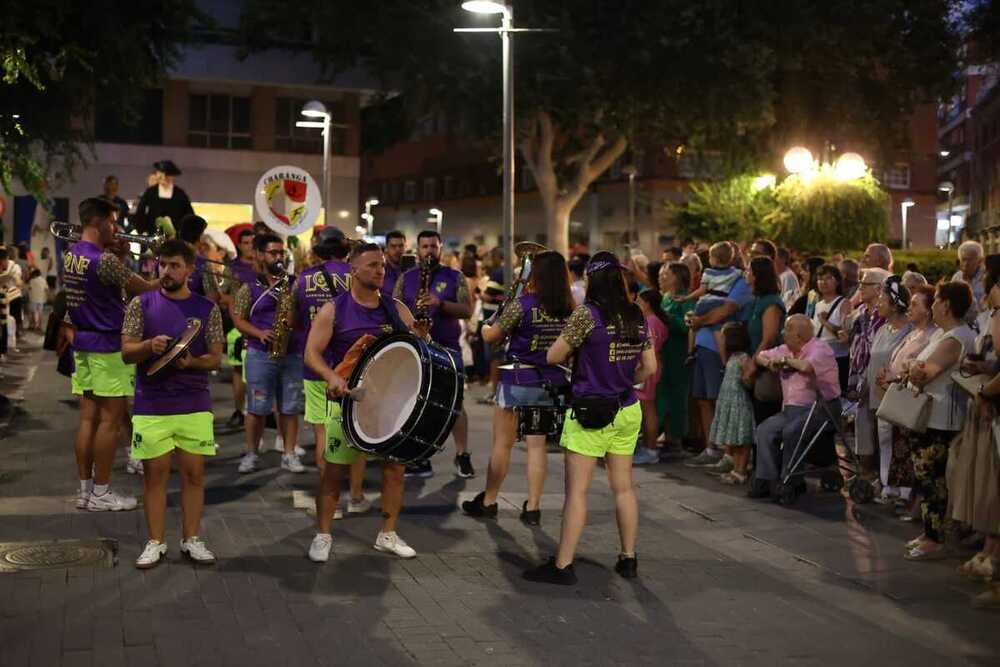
(368, 216)
(904, 206)
(949, 188)
(316, 109)
(798, 160)
(850, 166)
(438, 217)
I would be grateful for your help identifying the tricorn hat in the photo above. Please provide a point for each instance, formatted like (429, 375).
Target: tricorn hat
(167, 167)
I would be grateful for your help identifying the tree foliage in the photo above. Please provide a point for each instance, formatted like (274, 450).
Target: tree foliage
(58, 58)
(731, 209)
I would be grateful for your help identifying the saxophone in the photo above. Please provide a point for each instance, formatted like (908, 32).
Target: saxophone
(281, 330)
(420, 313)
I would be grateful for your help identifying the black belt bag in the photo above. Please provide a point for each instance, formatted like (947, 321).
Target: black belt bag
(594, 412)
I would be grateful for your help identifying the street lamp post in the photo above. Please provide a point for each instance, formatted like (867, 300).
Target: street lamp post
(904, 207)
(316, 109)
(948, 187)
(368, 216)
(631, 171)
(438, 216)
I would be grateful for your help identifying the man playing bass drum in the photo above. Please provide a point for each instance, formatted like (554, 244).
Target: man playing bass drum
(533, 322)
(613, 353)
(352, 316)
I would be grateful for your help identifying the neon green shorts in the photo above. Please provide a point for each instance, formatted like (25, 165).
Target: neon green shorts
(318, 406)
(337, 448)
(618, 437)
(156, 435)
(231, 338)
(103, 374)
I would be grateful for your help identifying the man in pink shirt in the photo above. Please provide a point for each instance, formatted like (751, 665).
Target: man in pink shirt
(807, 368)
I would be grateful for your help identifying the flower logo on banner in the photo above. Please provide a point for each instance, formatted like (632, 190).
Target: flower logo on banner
(287, 199)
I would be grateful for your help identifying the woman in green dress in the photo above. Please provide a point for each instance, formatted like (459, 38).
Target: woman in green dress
(673, 391)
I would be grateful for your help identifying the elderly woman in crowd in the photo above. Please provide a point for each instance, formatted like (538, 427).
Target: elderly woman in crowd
(892, 305)
(695, 267)
(970, 271)
(674, 388)
(973, 468)
(900, 478)
(931, 373)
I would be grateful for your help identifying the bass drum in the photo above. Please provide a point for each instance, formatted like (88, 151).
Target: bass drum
(412, 394)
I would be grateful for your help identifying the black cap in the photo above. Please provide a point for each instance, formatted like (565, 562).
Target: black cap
(191, 228)
(331, 242)
(167, 167)
(329, 234)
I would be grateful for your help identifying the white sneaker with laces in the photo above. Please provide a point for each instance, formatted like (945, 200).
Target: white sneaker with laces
(196, 550)
(391, 543)
(319, 550)
(358, 506)
(248, 463)
(291, 463)
(279, 443)
(299, 451)
(111, 501)
(151, 555)
(82, 499)
(133, 467)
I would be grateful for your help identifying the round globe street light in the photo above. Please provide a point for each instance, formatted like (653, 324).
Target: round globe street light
(484, 7)
(798, 160)
(904, 206)
(850, 166)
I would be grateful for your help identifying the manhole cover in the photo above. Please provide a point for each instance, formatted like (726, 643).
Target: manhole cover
(22, 556)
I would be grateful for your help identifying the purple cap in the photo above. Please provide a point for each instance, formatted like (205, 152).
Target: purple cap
(602, 261)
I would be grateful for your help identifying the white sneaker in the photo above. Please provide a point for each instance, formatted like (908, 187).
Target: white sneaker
(319, 550)
(151, 555)
(299, 451)
(112, 501)
(134, 467)
(358, 506)
(291, 463)
(338, 513)
(82, 500)
(248, 463)
(279, 443)
(391, 543)
(196, 550)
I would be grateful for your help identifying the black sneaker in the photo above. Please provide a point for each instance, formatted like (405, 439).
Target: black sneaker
(419, 469)
(548, 573)
(530, 517)
(236, 420)
(464, 464)
(627, 566)
(475, 507)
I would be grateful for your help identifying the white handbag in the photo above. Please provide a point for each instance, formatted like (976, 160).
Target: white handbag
(970, 384)
(905, 407)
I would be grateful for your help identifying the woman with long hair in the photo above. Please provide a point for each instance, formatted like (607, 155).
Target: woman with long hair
(673, 393)
(532, 322)
(608, 336)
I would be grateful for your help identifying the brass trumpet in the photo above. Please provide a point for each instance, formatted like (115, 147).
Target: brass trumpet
(68, 231)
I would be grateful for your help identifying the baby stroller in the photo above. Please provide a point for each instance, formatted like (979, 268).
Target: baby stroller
(828, 444)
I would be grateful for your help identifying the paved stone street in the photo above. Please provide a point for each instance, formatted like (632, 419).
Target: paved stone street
(723, 580)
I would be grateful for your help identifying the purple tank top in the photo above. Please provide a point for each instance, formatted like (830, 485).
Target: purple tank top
(392, 274)
(352, 321)
(263, 304)
(528, 344)
(173, 391)
(313, 292)
(445, 281)
(96, 310)
(606, 362)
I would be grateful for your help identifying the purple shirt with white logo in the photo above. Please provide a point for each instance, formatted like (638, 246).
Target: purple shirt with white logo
(311, 294)
(445, 283)
(605, 360)
(95, 307)
(529, 341)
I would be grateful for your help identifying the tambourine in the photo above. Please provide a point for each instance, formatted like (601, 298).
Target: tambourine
(176, 348)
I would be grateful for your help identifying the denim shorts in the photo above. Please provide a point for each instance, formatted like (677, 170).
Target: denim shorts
(515, 396)
(271, 381)
(708, 370)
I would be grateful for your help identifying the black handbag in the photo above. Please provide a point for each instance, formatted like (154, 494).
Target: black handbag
(595, 412)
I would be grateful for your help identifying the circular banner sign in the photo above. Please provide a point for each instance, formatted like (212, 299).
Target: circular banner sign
(287, 199)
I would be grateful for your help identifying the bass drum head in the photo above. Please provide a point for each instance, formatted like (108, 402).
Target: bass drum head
(391, 382)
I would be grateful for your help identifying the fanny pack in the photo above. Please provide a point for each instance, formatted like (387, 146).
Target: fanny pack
(595, 412)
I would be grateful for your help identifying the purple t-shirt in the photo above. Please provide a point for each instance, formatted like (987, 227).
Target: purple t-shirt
(196, 281)
(95, 307)
(445, 283)
(530, 339)
(605, 359)
(243, 271)
(352, 321)
(311, 294)
(173, 391)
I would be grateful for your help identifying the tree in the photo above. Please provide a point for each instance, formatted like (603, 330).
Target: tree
(58, 58)
(732, 209)
(738, 78)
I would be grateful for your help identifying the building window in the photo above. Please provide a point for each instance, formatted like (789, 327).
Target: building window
(897, 177)
(292, 139)
(410, 191)
(395, 191)
(219, 121)
(430, 189)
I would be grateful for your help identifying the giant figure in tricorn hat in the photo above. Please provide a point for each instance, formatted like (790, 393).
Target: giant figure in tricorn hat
(162, 199)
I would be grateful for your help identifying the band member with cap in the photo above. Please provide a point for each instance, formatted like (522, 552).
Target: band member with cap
(201, 281)
(532, 322)
(447, 301)
(354, 317)
(94, 279)
(173, 408)
(613, 353)
(395, 246)
(315, 287)
(162, 199)
(244, 272)
(269, 380)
